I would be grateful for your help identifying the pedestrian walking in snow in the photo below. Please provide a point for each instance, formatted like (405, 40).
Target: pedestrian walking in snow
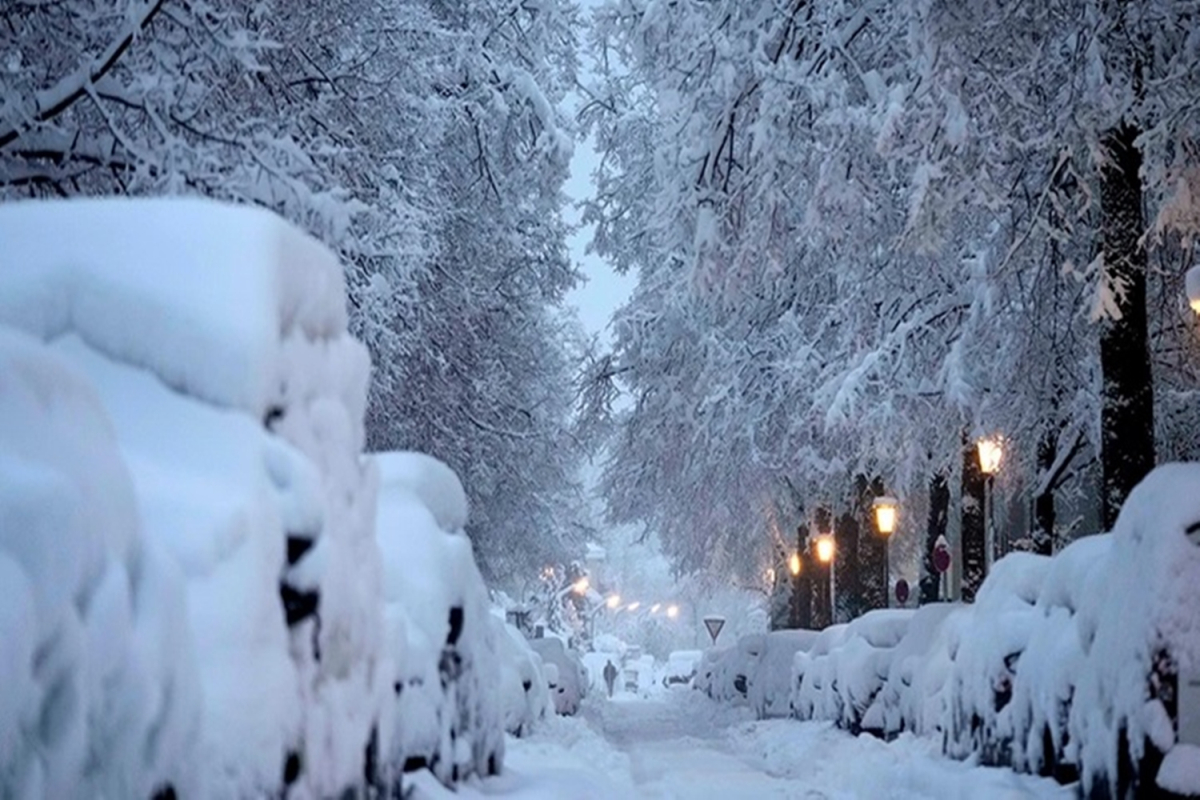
(610, 676)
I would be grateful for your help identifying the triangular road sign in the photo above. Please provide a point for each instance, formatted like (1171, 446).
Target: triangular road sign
(714, 625)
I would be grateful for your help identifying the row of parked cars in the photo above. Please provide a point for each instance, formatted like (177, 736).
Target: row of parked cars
(207, 588)
(1084, 666)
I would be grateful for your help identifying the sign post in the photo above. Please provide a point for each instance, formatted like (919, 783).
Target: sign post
(714, 624)
(941, 562)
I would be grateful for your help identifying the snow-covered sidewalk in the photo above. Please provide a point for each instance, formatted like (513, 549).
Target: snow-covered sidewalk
(682, 745)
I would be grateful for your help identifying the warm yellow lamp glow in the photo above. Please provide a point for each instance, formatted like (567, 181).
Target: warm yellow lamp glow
(885, 514)
(672, 611)
(580, 586)
(794, 563)
(613, 601)
(990, 452)
(825, 548)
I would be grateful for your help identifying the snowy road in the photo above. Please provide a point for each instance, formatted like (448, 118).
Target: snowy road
(681, 745)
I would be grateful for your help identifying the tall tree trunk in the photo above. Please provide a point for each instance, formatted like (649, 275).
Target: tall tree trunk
(1043, 504)
(822, 607)
(845, 565)
(1127, 403)
(802, 583)
(974, 545)
(939, 517)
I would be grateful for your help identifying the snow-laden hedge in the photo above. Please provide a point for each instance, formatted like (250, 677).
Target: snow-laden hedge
(1063, 666)
(190, 578)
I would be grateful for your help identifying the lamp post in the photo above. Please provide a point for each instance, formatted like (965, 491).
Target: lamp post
(991, 451)
(885, 519)
(825, 552)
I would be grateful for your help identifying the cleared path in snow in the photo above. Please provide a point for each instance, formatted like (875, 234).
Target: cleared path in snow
(679, 744)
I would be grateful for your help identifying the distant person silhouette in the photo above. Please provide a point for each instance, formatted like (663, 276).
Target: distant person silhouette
(610, 676)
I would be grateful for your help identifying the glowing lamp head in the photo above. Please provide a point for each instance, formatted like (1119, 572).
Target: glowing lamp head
(885, 514)
(672, 611)
(633, 606)
(794, 563)
(1192, 284)
(580, 586)
(654, 608)
(613, 601)
(991, 450)
(825, 548)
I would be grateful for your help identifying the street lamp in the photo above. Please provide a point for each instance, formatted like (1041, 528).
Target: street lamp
(794, 564)
(885, 519)
(991, 451)
(1192, 285)
(613, 601)
(825, 553)
(672, 611)
(580, 586)
(633, 606)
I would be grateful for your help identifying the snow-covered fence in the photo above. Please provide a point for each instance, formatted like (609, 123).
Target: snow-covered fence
(190, 577)
(1065, 666)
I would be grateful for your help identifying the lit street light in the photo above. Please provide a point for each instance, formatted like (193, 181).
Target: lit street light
(991, 451)
(885, 519)
(633, 606)
(580, 586)
(672, 611)
(825, 553)
(654, 608)
(794, 564)
(613, 601)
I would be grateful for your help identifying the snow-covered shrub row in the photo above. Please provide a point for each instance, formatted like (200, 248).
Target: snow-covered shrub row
(190, 577)
(449, 710)
(1065, 666)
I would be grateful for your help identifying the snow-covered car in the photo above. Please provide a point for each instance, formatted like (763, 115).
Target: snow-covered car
(852, 674)
(681, 667)
(568, 681)
(449, 715)
(524, 688)
(214, 340)
(769, 674)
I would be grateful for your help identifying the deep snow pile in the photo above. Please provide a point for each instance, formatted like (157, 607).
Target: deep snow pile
(100, 693)
(1066, 665)
(449, 713)
(215, 339)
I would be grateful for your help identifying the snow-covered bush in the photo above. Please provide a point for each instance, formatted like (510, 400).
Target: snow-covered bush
(100, 693)
(215, 339)
(1065, 666)
(449, 713)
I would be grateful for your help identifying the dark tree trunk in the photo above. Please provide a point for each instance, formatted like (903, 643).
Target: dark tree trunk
(974, 547)
(822, 608)
(1127, 407)
(1043, 504)
(845, 565)
(872, 557)
(939, 517)
(802, 584)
